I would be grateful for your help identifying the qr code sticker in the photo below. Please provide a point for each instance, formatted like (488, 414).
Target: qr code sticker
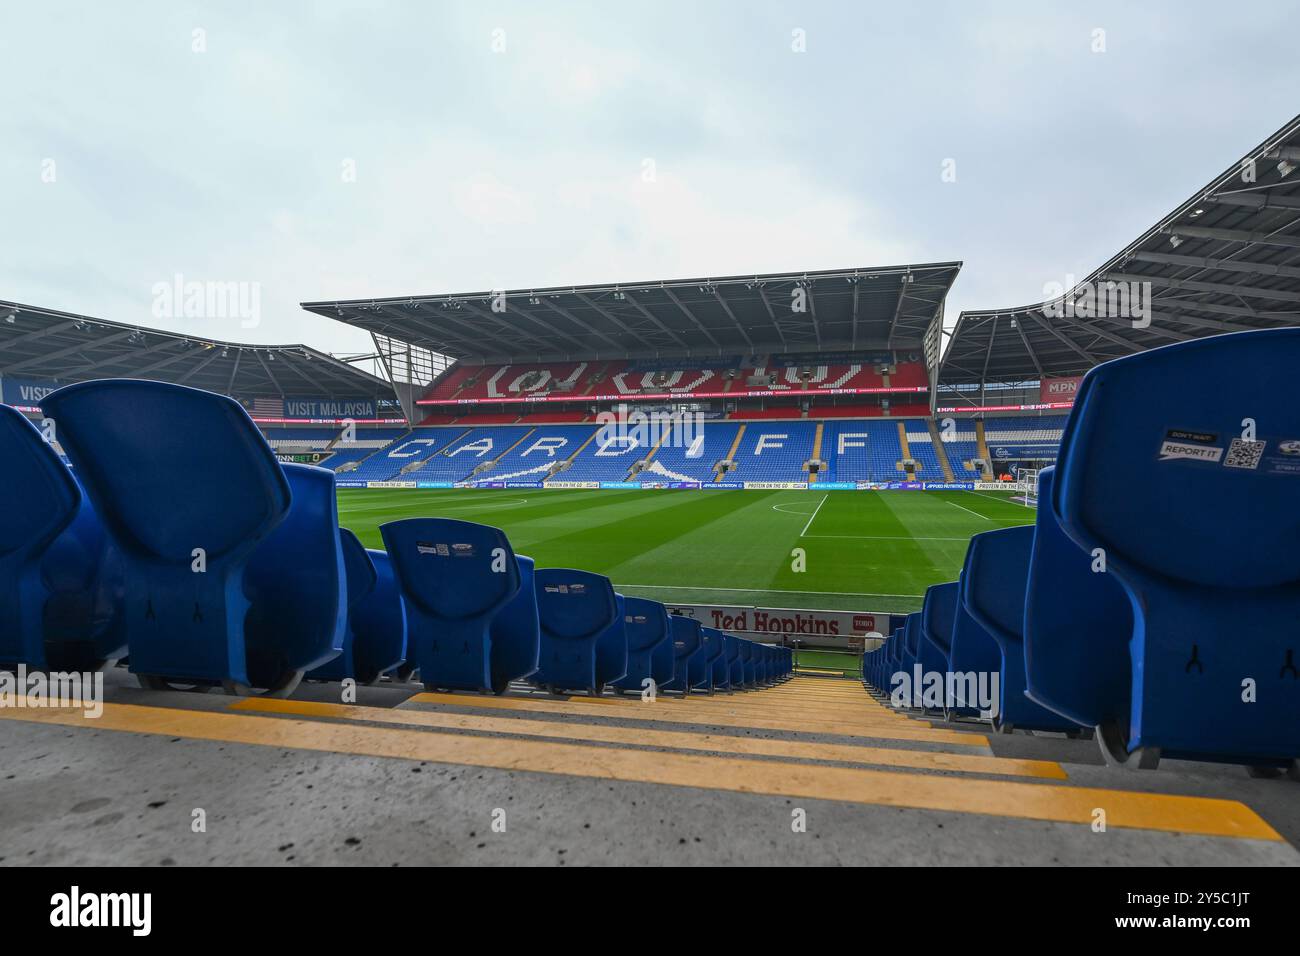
(1244, 454)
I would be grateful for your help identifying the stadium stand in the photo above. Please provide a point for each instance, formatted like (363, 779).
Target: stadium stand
(692, 455)
(773, 452)
(862, 451)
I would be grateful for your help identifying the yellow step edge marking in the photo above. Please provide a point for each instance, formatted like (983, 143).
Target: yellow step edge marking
(680, 740)
(1002, 798)
(670, 715)
(813, 711)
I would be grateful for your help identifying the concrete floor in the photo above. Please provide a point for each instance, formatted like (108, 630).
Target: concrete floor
(80, 794)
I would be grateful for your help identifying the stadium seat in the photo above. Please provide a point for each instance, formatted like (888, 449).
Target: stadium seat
(1077, 625)
(937, 614)
(713, 650)
(735, 667)
(379, 628)
(576, 608)
(1200, 529)
(516, 632)
(975, 656)
(993, 591)
(686, 642)
(58, 604)
(647, 629)
(296, 585)
(611, 648)
(703, 661)
(746, 660)
(375, 639)
(455, 576)
(188, 489)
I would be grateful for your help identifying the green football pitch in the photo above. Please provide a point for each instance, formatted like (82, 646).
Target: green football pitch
(862, 550)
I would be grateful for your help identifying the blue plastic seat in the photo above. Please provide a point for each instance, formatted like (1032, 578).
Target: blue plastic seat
(362, 578)
(516, 632)
(611, 648)
(700, 664)
(187, 489)
(1199, 526)
(647, 629)
(704, 662)
(937, 616)
(686, 642)
(576, 608)
(379, 629)
(735, 670)
(993, 587)
(1078, 623)
(59, 609)
(455, 576)
(744, 660)
(296, 585)
(975, 656)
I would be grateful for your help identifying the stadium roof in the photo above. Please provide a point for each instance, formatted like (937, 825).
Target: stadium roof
(44, 344)
(887, 307)
(1226, 260)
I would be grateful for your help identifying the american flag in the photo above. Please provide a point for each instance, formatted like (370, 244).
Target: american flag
(269, 407)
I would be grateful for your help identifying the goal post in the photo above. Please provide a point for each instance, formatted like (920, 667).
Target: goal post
(1028, 478)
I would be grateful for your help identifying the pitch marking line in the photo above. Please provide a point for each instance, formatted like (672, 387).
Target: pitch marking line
(813, 517)
(1011, 799)
(969, 512)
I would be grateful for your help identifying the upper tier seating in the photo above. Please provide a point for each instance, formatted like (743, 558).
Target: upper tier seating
(1035, 437)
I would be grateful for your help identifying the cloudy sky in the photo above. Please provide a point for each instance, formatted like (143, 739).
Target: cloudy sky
(318, 150)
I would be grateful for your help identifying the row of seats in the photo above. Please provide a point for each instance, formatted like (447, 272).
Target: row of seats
(463, 383)
(1155, 604)
(236, 574)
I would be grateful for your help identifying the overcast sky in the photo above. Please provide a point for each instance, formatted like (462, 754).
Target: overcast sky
(318, 150)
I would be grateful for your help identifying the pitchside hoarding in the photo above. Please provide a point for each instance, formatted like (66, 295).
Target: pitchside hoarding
(831, 629)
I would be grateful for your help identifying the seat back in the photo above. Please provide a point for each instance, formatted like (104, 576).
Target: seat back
(455, 576)
(517, 633)
(712, 648)
(296, 584)
(937, 616)
(1078, 622)
(735, 669)
(1199, 528)
(379, 624)
(611, 647)
(686, 642)
(40, 501)
(993, 585)
(575, 609)
(648, 629)
(188, 489)
(361, 578)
